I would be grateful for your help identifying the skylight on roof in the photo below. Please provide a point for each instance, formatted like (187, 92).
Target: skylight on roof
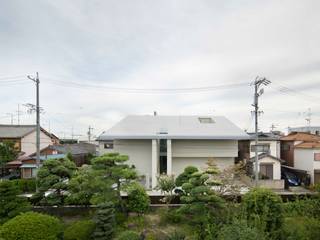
(206, 120)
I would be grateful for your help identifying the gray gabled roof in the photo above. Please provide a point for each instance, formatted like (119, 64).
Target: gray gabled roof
(264, 155)
(15, 131)
(19, 131)
(173, 127)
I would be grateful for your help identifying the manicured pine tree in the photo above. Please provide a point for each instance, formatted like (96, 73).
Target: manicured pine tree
(105, 221)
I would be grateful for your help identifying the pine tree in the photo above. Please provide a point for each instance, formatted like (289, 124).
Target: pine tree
(105, 221)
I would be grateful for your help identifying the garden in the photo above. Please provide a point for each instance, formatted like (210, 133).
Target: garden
(96, 193)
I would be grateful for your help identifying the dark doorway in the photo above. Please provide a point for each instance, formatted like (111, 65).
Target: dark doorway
(163, 156)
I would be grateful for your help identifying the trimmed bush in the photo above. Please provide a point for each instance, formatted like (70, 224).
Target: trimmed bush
(263, 209)
(79, 230)
(301, 228)
(32, 226)
(138, 199)
(128, 235)
(186, 175)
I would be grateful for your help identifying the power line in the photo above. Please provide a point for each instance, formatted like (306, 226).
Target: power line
(144, 90)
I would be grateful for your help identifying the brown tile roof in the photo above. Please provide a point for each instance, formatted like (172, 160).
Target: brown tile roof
(300, 136)
(308, 145)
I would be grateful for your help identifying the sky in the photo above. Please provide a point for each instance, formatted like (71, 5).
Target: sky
(101, 60)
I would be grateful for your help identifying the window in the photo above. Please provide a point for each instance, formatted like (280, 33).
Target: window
(266, 170)
(108, 145)
(317, 156)
(206, 120)
(285, 147)
(265, 148)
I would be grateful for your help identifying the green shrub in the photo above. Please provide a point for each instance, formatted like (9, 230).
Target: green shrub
(239, 230)
(138, 199)
(105, 221)
(263, 209)
(301, 228)
(31, 226)
(303, 207)
(184, 177)
(128, 235)
(25, 185)
(176, 236)
(80, 230)
(11, 204)
(170, 216)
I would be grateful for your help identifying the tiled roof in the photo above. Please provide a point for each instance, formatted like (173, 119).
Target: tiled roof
(308, 145)
(300, 136)
(266, 136)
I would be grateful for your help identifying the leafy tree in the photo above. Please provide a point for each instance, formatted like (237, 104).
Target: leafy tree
(166, 185)
(263, 209)
(201, 201)
(54, 176)
(89, 186)
(186, 175)
(105, 221)
(113, 166)
(8, 152)
(10, 203)
(79, 230)
(32, 226)
(138, 200)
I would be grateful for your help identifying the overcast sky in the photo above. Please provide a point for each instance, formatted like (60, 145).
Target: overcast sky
(159, 44)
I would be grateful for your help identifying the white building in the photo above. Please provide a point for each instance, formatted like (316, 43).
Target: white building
(168, 144)
(268, 142)
(307, 157)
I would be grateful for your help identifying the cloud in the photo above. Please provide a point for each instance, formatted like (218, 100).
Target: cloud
(160, 44)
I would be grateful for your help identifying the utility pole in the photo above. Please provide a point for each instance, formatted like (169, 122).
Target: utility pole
(37, 81)
(257, 93)
(11, 117)
(89, 134)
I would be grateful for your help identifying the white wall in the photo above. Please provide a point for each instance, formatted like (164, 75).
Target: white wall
(28, 143)
(274, 148)
(139, 152)
(276, 166)
(204, 148)
(179, 163)
(304, 159)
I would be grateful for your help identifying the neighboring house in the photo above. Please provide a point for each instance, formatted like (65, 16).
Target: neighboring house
(24, 137)
(269, 166)
(168, 144)
(81, 152)
(307, 129)
(289, 142)
(307, 157)
(268, 142)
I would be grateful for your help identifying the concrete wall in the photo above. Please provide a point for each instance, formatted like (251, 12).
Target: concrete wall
(139, 152)
(204, 148)
(304, 159)
(179, 163)
(28, 143)
(274, 148)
